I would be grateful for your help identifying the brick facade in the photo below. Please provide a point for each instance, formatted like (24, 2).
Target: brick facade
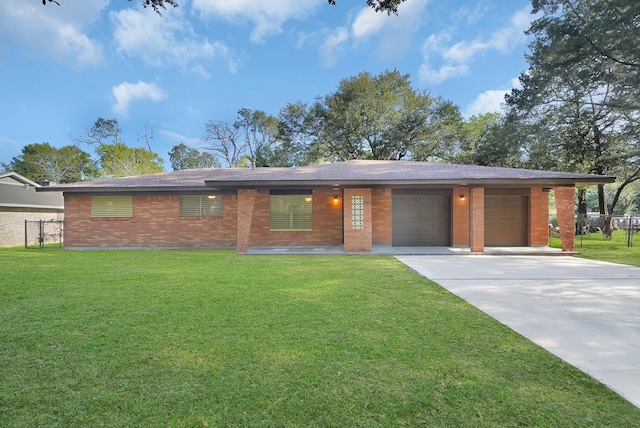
(565, 206)
(538, 217)
(156, 223)
(358, 238)
(327, 222)
(381, 200)
(245, 221)
(476, 219)
(460, 213)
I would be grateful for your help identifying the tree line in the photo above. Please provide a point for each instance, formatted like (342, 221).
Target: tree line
(578, 110)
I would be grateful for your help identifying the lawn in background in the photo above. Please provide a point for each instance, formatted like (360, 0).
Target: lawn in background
(596, 247)
(210, 338)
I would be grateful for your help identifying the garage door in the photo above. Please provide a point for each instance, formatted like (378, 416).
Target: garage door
(421, 217)
(506, 217)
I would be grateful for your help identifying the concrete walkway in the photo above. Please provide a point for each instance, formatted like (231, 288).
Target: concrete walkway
(585, 312)
(388, 250)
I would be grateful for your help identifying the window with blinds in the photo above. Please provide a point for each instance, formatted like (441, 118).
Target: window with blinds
(111, 206)
(201, 206)
(291, 212)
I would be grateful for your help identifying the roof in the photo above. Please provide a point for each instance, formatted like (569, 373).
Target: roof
(17, 191)
(344, 174)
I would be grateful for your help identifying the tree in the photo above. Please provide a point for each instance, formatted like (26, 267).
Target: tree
(487, 140)
(115, 158)
(39, 162)
(185, 157)
(120, 160)
(225, 141)
(582, 86)
(383, 117)
(595, 29)
(388, 6)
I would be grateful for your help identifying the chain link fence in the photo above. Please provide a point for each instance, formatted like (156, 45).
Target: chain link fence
(40, 232)
(607, 224)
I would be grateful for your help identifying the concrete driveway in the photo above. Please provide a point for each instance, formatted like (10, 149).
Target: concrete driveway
(585, 312)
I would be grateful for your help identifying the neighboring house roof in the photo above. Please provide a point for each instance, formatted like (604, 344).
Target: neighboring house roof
(17, 191)
(344, 174)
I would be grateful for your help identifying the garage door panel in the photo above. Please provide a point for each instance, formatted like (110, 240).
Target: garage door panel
(420, 219)
(506, 220)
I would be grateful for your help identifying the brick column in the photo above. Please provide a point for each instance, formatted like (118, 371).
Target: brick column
(460, 217)
(538, 217)
(246, 202)
(565, 205)
(476, 219)
(357, 220)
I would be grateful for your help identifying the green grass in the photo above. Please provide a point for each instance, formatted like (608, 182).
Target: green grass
(209, 338)
(596, 247)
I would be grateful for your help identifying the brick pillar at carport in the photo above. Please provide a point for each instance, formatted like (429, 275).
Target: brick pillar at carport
(246, 202)
(357, 220)
(476, 219)
(565, 207)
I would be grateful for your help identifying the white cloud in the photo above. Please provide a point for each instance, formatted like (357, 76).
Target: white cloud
(487, 102)
(426, 72)
(394, 33)
(166, 40)
(268, 16)
(179, 138)
(332, 45)
(490, 101)
(125, 93)
(54, 31)
(455, 58)
(368, 22)
(444, 73)
(503, 40)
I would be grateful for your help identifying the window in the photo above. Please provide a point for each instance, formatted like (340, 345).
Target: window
(291, 211)
(201, 206)
(111, 206)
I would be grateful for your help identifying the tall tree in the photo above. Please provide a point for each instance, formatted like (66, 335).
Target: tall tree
(185, 157)
(225, 142)
(40, 162)
(260, 132)
(383, 117)
(582, 86)
(115, 158)
(299, 129)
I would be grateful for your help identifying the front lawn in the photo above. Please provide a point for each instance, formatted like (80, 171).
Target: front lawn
(209, 338)
(615, 250)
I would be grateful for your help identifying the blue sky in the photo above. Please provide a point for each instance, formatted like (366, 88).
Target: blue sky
(62, 67)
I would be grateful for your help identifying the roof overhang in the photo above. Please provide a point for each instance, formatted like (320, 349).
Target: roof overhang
(33, 206)
(510, 182)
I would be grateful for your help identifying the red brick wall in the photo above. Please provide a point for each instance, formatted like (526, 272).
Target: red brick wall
(327, 223)
(246, 213)
(156, 223)
(357, 240)
(476, 217)
(565, 205)
(460, 213)
(381, 215)
(538, 217)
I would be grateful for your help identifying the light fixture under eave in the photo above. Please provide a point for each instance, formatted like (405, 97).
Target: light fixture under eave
(211, 196)
(335, 195)
(462, 196)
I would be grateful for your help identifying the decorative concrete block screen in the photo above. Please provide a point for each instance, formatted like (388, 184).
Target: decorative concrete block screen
(357, 212)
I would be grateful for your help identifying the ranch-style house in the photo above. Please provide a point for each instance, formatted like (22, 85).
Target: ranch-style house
(353, 205)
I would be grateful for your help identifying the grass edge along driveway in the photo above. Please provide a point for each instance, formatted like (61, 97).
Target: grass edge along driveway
(210, 338)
